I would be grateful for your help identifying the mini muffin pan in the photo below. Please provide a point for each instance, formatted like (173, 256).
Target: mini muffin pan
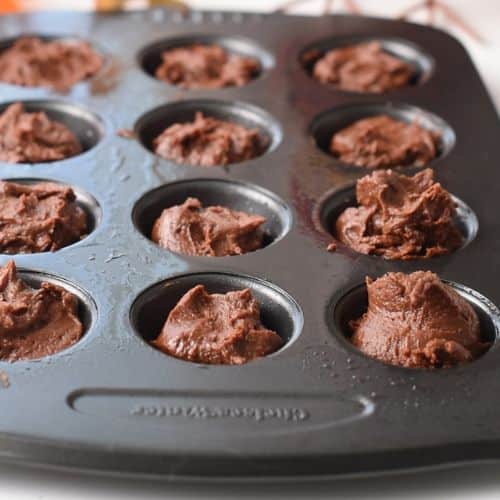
(317, 407)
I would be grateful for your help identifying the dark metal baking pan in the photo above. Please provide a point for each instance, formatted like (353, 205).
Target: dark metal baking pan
(317, 408)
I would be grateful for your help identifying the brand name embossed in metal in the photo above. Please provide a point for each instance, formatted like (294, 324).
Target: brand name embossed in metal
(258, 414)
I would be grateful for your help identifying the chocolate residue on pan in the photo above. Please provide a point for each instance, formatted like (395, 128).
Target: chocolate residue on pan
(310, 56)
(365, 67)
(27, 137)
(306, 185)
(217, 329)
(4, 379)
(108, 77)
(35, 322)
(208, 142)
(400, 217)
(381, 142)
(332, 247)
(213, 231)
(39, 218)
(206, 66)
(59, 64)
(126, 133)
(417, 321)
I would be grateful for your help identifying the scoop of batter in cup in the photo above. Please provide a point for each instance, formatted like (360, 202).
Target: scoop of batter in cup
(200, 66)
(35, 322)
(400, 217)
(59, 64)
(417, 321)
(215, 328)
(208, 142)
(365, 67)
(33, 137)
(212, 231)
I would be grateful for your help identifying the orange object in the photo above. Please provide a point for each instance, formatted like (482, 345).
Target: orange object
(7, 6)
(109, 4)
(10, 6)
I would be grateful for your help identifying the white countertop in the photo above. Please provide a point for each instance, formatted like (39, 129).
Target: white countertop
(479, 482)
(476, 482)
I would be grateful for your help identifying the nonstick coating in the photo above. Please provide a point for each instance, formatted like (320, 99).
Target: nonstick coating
(318, 407)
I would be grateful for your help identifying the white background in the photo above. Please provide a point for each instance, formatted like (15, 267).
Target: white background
(479, 482)
(466, 482)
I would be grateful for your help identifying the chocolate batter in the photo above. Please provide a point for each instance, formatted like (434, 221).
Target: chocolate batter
(400, 217)
(39, 218)
(212, 231)
(416, 321)
(35, 323)
(381, 142)
(217, 329)
(363, 68)
(206, 66)
(208, 142)
(59, 64)
(34, 137)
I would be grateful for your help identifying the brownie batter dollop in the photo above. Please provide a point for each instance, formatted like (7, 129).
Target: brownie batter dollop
(39, 218)
(381, 142)
(35, 322)
(213, 231)
(217, 329)
(400, 217)
(417, 321)
(59, 64)
(33, 137)
(365, 67)
(207, 142)
(206, 66)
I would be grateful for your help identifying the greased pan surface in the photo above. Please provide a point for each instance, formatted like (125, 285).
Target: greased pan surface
(318, 407)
